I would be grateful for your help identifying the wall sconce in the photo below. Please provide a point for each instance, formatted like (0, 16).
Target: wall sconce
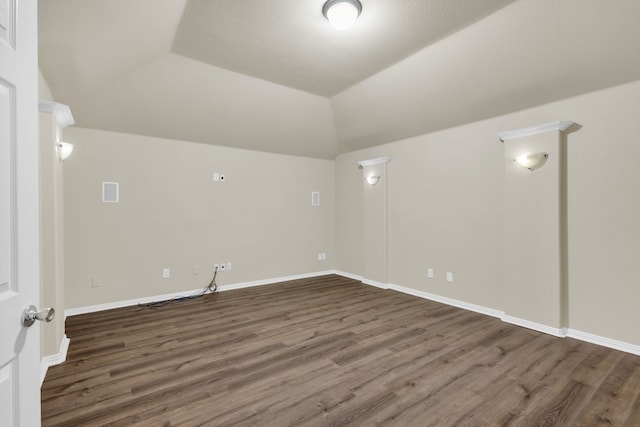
(531, 161)
(373, 179)
(64, 150)
(342, 13)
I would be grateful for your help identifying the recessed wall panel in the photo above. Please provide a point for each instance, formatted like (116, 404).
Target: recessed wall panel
(7, 150)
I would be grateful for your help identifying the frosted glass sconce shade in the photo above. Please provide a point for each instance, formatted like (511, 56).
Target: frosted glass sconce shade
(531, 161)
(64, 150)
(342, 14)
(373, 179)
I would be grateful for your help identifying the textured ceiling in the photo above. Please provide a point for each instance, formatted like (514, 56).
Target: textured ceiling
(275, 76)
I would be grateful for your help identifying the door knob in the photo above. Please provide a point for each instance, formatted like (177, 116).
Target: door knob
(31, 314)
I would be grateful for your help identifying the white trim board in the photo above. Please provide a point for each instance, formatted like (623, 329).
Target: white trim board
(604, 341)
(570, 333)
(557, 126)
(348, 275)
(448, 301)
(375, 283)
(373, 162)
(62, 112)
(557, 332)
(165, 297)
(54, 359)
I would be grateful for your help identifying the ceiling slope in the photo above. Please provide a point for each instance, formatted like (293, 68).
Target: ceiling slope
(274, 76)
(530, 53)
(179, 98)
(289, 42)
(86, 45)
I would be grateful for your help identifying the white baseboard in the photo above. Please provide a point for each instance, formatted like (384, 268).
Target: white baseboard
(603, 341)
(375, 283)
(449, 301)
(165, 297)
(557, 332)
(243, 285)
(54, 359)
(348, 275)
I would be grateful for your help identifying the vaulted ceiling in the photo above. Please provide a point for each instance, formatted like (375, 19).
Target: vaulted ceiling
(275, 76)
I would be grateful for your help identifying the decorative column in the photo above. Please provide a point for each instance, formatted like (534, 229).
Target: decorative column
(54, 117)
(535, 293)
(374, 222)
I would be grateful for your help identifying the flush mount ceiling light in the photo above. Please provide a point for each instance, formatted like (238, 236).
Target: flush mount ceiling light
(64, 150)
(342, 14)
(531, 161)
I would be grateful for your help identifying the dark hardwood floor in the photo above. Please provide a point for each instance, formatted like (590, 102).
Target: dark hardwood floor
(330, 351)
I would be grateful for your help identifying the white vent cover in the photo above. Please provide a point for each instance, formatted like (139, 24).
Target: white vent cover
(315, 198)
(110, 192)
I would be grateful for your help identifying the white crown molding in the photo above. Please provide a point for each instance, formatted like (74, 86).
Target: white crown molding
(376, 161)
(559, 126)
(54, 359)
(61, 111)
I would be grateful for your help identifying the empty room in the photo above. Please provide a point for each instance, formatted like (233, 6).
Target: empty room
(320, 213)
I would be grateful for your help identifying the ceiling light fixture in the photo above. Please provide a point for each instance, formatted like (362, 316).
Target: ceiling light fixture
(342, 14)
(531, 161)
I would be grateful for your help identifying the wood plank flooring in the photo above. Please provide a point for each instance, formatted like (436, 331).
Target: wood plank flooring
(330, 351)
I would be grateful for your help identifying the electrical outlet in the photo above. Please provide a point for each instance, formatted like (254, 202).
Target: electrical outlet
(430, 273)
(216, 267)
(222, 178)
(228, 266)
(216, 176)
(449, 277)
(166, 273)
(223, 267)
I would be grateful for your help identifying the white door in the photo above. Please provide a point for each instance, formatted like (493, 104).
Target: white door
(19, 234)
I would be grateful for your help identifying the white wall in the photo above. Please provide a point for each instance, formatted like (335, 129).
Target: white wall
(446, 210)
(173, 215)
(445, 202)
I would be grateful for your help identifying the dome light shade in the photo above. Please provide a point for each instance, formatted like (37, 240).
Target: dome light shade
(64, 150)
(531, 161)
(342, 14)
(373, 179)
